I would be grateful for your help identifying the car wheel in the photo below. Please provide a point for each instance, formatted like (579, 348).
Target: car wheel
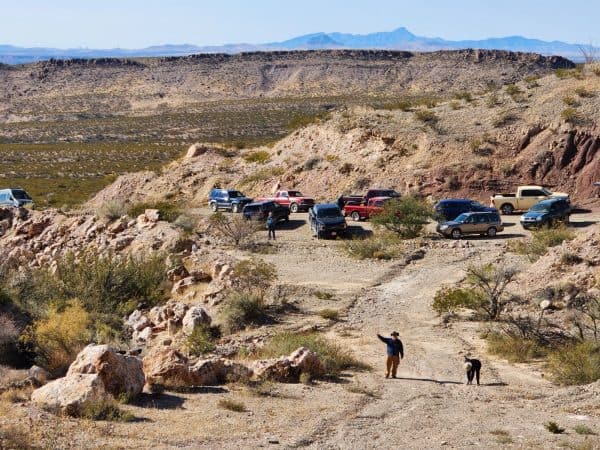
(491, 232)
(235, 208)
(507, 209)
(294, 208)
(356, 216)
(456, 234)
(214, 207)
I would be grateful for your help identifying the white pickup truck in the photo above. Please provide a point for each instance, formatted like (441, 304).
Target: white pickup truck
(523, 199)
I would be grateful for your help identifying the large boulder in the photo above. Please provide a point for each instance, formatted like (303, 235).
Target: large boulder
(70, 394)
(288, 369)
(194, 317)
(121, 374)
(214, 371)
(195, 150)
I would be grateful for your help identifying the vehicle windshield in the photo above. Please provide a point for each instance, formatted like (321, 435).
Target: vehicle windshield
(461, 218)
(546, 191)
(540, 207)
(295, 194)
(235, 194)
(390, 193)
(328, 212)
(21, 195)
(477, 205)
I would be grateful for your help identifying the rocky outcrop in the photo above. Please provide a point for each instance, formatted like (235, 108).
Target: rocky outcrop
(71, 394)
(121, 374)
(288, 369)
(195, 316)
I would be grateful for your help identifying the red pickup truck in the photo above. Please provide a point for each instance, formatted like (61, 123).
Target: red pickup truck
(294, 200)
(359, 212)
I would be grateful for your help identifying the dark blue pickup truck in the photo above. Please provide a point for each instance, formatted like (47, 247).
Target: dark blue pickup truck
(327, 220)
(547, 212)
(227, 199)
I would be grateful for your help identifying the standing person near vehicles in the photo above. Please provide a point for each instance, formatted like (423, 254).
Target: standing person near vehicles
(271, 225)
(395, 351)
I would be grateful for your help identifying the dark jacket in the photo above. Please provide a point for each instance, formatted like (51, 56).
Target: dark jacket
(394, 347)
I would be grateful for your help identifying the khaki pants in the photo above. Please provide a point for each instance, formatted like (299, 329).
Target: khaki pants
(392, 363)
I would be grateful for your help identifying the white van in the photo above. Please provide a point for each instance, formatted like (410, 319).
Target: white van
(15, 197)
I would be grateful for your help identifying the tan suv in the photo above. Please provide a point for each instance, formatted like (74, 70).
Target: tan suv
(483, 223)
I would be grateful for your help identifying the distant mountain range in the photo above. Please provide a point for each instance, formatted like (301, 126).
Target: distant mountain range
(399, 39)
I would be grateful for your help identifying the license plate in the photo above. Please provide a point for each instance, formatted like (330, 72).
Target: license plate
(333, 233)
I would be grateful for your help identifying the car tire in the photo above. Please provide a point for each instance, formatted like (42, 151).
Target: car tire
(294, 208)
(507, 209)
(235, 208)
(456, 233)
(214, 207)
(491, 232)
(355, 216)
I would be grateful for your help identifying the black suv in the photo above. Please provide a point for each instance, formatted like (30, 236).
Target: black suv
(260, 211)
(228, 199)
(547, 212)
(326, 220)
(450, 209)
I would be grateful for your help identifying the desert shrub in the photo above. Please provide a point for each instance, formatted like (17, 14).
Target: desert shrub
(569, 100)
(426, 116)
(112, 210)
(200, 341)
(58, 338)
(8, 330)
(233, 229)
(581, 91)
(242, 310)
(185, 222)
(330, 314)
(481, 163)
(584, 429)
(514, 348)
(380, 246)
(541, 240)
(450, 299)
(254, 276)
(504, 119)
(357, 388)
(554, 428)
(492, 281)
(569, 73)
(16, 395)
(570, 258)
(231, 405)
(455, 105)
(322, 295)
(575, 364)
(492, 100)
(346, 168)
(15, 437)
(361, 182)
(596, 70)
(569, 115)
(306, 378)
(513, 90)
(331, 158)
(406, 216)
(301, 120)
(261, 175)
(257, 156)
(464, 95)
(311, 163)
(167, 211)
(334, 357)
(107, 410)
(531, 81)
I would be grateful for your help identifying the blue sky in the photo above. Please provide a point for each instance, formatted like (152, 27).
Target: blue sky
(140, 23)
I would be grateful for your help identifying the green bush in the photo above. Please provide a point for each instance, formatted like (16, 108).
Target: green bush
(575, 364)
(450, 299)
(514, 348)
(380, 246)
(105, 410)
(581, 91)
(541, 240)
(232, 405)
(185, 222)
(584, 429)
(569, 101)
(330, 314)
(569, 115)
(492, 100)
(254, 276)
(261, 175)
(513, 90)
(464, 95)
(233, 229)
(425, 116)
(200, 341)
(406, 216)
(258, 156)
(242, 310)
(167, 211)
(112, 210)
(334, 357)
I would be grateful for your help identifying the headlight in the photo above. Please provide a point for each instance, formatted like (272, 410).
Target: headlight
(444, 227)
(539, 218)
(523, 218)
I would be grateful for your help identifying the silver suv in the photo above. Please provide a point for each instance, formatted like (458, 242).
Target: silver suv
(15, 197)
(483, 223)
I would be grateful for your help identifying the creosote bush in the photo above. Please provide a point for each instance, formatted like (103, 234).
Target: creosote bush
(233, 229)
(112, 210)
(569, 115)
(258, 156)
(201, 340)
(540, 241)
(514, 348)
(334, 357)
(426, 116)
(330, 314)
(575, 364)
(105, 410)
(451, 299)
(379, 246)
(232, 405)
(406, 216)
(242, 309)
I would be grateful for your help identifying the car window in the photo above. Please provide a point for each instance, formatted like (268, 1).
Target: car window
(532, 193)
(328, 212)
(494, 217)
(3, 197)
(540, 207)
(462, 218)
(482, 218)
(20, 195)
(295, 194)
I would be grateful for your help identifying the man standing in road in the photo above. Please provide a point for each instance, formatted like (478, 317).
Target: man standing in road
(271, 225)
(395, 351)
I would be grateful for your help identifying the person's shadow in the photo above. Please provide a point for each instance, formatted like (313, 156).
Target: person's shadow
(442, 382)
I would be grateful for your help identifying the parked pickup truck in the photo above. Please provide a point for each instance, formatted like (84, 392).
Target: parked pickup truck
(357, 199)
(294, 200)
(361, 212)
(524, 198)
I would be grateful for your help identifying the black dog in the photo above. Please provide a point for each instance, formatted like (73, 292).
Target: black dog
(473, 367)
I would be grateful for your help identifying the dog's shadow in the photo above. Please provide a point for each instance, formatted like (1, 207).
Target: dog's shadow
(431, 380)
